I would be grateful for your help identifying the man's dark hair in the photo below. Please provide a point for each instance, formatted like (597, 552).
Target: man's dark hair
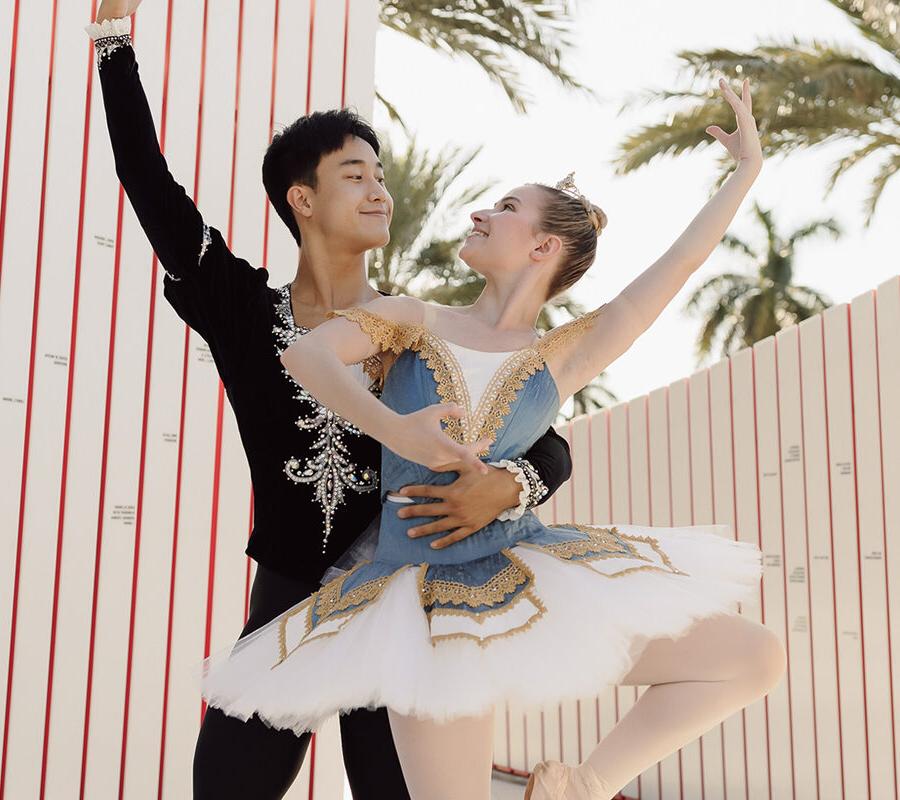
(295, 153)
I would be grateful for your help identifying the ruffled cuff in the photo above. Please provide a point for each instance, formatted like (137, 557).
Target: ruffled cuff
(524, 493)
(109, 36)
(109, 27)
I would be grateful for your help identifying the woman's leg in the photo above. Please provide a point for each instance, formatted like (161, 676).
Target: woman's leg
(448, 760)
(722, 664)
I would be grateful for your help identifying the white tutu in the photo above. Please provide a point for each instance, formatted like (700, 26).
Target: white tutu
(578, 628)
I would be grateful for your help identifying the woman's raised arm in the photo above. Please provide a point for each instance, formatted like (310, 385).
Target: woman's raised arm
(615, 326)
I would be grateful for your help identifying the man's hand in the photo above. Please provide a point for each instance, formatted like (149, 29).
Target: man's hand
(465, 506)
(113, 9)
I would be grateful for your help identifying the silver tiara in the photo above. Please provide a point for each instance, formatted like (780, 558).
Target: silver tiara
(567, 185)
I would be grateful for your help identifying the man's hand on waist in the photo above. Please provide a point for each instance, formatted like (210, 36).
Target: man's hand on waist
(465, 506)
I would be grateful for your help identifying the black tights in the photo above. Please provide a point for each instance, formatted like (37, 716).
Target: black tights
(248, 759)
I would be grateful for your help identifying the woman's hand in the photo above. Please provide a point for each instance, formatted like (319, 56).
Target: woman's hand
(114, 9)
(743, 144)
(419, 437)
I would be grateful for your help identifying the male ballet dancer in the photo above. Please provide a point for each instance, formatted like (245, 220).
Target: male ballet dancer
(315, 476)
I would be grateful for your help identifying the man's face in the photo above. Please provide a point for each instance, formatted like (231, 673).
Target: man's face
(351, 204)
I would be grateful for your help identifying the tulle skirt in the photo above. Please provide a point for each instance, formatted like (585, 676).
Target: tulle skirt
(563, 614)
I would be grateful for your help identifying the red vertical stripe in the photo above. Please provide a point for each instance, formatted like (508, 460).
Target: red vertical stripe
(659, 776)
(35, 314)
(712, 494)
(571, 437)
(884, 544)
(736, 538)
(787, 637)
(837, 663)
(669, 460)
(178, 473)
(862, 631)
(151, 318)
(346, 44)
(634, 691)
(6, 159)
(609, 448)
(590, 439)
(312, 767)
(309, 57)
(812, 661)
(762, 594)
(70, 380)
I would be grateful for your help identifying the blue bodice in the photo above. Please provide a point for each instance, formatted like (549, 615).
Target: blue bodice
(523, 385)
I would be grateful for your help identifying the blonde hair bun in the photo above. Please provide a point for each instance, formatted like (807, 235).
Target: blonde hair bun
(598, 218)
(596, 215)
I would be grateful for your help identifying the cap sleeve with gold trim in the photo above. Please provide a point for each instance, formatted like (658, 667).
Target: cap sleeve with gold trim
(387, 334)
(563, 335)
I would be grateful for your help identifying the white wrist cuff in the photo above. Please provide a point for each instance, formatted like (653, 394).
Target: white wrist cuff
(109, 27)
(519, 474)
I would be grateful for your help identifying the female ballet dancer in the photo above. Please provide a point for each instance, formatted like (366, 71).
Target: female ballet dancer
(521, 611)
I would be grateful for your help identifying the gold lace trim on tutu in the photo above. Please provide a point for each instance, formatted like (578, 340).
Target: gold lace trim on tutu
(494, 590)
(329, 604)
(599, 538)
(483, 641)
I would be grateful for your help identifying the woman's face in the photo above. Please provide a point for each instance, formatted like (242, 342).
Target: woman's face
(506, 238)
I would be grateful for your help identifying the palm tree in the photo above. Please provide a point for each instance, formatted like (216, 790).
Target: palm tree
(488, 32)
(740, 309)
(426, 234)
(805, 93)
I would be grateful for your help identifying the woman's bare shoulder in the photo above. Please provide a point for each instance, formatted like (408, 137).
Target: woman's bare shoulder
(398, 308)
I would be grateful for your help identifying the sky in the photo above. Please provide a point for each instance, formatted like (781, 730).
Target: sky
(622, 48)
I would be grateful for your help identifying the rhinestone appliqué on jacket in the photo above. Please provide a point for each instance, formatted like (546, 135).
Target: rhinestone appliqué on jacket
(328, 467)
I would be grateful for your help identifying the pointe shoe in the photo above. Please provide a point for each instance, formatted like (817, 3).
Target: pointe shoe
(552, 780)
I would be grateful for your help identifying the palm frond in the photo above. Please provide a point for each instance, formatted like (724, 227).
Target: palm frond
(724, 282)
(877, 20)
(829, 226)
(887, 171)
(487, 31)
(392, 112)
(877, 142)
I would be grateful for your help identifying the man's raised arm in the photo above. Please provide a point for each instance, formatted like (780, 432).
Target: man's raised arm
(168, 216)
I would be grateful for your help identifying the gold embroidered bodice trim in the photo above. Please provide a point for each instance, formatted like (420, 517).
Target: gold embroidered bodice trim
(389, 336)
(487, 418)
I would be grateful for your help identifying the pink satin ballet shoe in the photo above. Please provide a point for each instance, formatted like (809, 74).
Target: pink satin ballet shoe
(552, 780)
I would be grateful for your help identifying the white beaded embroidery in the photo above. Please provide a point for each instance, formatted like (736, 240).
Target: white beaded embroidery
(328, 468)
(204, 245)
(107, 46)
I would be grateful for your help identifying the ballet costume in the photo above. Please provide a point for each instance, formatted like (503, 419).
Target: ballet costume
(519, 612)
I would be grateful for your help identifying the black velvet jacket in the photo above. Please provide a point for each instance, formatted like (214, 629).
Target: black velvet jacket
(315, 476)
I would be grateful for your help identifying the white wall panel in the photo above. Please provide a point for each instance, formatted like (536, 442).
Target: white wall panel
(125, 505)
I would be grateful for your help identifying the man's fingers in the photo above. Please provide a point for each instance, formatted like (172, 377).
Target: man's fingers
(423, 510)
(453, 537)
(419, 490)
(440, 526)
